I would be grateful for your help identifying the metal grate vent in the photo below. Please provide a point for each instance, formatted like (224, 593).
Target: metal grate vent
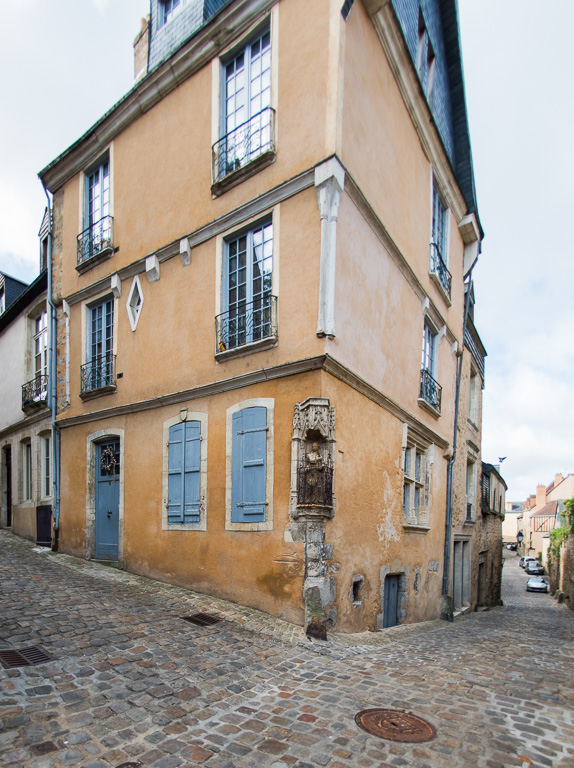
(202, 619)
(25, 657)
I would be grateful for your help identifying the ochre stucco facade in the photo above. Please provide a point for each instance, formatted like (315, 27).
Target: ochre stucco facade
(349, 196)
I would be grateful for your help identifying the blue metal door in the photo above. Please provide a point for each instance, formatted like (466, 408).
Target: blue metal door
(107, 499)
(391, 601)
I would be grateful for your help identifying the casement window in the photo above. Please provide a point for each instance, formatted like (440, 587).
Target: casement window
(96, 237)
(430, 391)
(99, 369)
(425, 59)
(416, 463)
(438, 250)
(249, 472)
(46, 466)
(35, 391)
(473, 396)
(27, 471)
(184, 487)
(250, 308)
(167, 9)
(429, 349)
(41, 345)
(439, 225)
(471, 489)
(247, 118)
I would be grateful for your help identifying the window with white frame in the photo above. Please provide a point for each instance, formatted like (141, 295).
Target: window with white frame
(99, 370)
(250, 309)
(46, 466)
(470, 488)
(430, 391)
(438, 250)
(416, 480)
(167, 10)
(473, 396)
(185, 472)
(41, 345)
(96, 237)
(247, 116)
(439, 225)
(27, 471)
(249, 472)
(134, 302)
(425, 59)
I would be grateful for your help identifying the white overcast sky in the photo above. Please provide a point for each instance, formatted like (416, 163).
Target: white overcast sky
(63, 63)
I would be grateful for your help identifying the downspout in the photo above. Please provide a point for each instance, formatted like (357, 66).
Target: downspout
(52, 399)
(446, 603)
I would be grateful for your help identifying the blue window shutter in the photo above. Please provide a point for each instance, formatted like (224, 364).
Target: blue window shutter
(175, 475)
(191, 496)
(249, 470)
(184, 473)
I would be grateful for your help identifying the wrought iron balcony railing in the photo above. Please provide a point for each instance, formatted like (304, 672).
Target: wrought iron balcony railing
(246, 323)
(96, 239)
(430, 391)
(98, 374)
(35, 392)
(245, 143)
(438, 267)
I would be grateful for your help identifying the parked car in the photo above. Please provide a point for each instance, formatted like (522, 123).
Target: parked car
(512, 546)
(536, 584)
(523, 560)
(534, 568)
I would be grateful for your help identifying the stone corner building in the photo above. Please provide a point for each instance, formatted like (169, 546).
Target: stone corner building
(260, 262)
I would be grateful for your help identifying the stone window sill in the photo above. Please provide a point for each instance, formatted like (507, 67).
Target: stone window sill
(234, 178)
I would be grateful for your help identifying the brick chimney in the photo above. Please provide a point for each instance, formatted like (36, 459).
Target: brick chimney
(540, 495)
(141, 50)
(558, 479)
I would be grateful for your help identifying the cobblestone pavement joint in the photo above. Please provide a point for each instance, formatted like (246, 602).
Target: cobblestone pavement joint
(132, 683)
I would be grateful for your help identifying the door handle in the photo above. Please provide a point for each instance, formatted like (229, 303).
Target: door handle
(109, 513)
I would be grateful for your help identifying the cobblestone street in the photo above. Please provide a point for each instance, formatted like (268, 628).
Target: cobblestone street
(132, 682)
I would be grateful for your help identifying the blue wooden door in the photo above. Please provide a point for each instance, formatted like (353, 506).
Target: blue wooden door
(107, 499)
(391, 601)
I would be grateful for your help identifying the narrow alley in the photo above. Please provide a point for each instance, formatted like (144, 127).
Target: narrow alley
(130, 683)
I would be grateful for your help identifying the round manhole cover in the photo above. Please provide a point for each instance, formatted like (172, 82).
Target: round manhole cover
(395, 725)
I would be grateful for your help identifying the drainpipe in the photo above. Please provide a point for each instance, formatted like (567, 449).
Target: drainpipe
(52, 400)
(446, 606)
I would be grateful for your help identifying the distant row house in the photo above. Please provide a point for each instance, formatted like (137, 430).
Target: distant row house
(26, 434)
(267, 380)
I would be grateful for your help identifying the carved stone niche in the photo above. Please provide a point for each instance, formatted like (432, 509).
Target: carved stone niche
(312, 452)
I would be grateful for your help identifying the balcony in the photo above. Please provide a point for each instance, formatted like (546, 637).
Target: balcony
(438, 270)
(430, 392)
(98, 377)
(95, 243)
(247, 327)
(243, 151)
(35, 393)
